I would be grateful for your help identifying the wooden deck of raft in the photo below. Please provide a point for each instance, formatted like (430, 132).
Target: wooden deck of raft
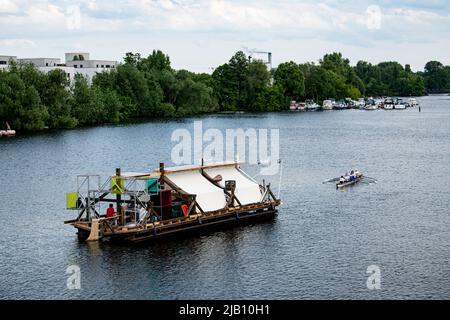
(106, 229)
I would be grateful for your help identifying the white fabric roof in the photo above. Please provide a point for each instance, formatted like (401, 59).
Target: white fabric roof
(209, 197)
(247, 191)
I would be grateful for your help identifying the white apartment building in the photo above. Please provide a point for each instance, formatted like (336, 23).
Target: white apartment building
(5, 61)
(76, 63)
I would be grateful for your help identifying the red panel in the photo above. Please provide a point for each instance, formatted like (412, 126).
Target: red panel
(166, 198)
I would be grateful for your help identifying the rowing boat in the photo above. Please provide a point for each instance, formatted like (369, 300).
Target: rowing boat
(349, 182)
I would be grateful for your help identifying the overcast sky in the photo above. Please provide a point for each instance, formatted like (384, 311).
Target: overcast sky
(200, 35)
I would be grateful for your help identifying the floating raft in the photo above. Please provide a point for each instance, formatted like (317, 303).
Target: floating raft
(169, 202)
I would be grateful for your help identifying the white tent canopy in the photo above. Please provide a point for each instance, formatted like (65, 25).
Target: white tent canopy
(247, 191)
(209, 197)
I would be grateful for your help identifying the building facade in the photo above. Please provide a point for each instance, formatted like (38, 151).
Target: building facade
(76, 63)
(5, 61)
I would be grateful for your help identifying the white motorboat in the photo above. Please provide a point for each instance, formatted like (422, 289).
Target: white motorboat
(399, 104)
(388, 104)
(301, 106)
(8, 132)
(371, 107)
(339, 105)
(293, 106)
(412, 102)
(311, 105)
(360, 104)
(327, 105)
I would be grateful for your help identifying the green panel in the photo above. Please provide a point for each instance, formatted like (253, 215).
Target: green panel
(176, 211)
(71, 200)
(117, 185)
(152, 185)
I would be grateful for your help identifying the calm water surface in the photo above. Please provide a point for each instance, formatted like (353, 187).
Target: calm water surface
(319, 246)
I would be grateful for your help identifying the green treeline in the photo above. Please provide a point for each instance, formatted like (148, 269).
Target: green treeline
(146, 88)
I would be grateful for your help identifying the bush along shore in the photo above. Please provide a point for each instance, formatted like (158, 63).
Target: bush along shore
(148, 88)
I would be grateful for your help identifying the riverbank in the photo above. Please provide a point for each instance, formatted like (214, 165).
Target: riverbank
(149, 88)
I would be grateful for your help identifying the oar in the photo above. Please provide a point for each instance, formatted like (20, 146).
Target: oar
(368, 181)
(331, 180)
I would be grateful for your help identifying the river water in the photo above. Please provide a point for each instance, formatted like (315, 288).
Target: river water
(319, 246)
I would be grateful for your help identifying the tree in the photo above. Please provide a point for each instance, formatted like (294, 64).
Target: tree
(20, 104)
(83, 108)
(58, 100)
(436, 77)
(258, 79)
(238, 67)
(170, 86)
(130, 82)
(290, 78)
(270, 99)
(230, 83)
(223, 88)
(334, 62)
(32, 114)
(194, 98)
(132, 58)
(157, 61)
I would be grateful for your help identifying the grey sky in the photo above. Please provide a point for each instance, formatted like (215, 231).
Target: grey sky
(199, 35)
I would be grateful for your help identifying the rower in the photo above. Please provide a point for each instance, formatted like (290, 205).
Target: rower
(341, 179)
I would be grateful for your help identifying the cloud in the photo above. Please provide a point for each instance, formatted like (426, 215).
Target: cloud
(8, 6)
(227, 24)
(18, 43)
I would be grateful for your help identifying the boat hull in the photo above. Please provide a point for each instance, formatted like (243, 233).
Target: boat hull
(205, 227)
(187, 226)
(7, 133)
(348, 183)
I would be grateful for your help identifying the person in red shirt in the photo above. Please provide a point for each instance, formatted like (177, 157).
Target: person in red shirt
(110, 211)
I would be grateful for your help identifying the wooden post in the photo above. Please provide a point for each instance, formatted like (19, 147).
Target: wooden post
(119, 201)
(161, 179)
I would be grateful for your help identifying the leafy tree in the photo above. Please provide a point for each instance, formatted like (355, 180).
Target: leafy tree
(132, 58)
(157, 61)
(58, 100)
(20, 104)
(258, 79)
(83, 102)
(291, 79)
(270, 99)
(194, 98)
(130, 82)
(436, 77)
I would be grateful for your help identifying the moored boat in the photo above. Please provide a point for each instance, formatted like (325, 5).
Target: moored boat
(301, 106)
(412, 102)
(311, 105)
(399, 104)
(327, 105)
(371, 105)
(8, 132)
(339, 105)
(293, 106)
(388, 104)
